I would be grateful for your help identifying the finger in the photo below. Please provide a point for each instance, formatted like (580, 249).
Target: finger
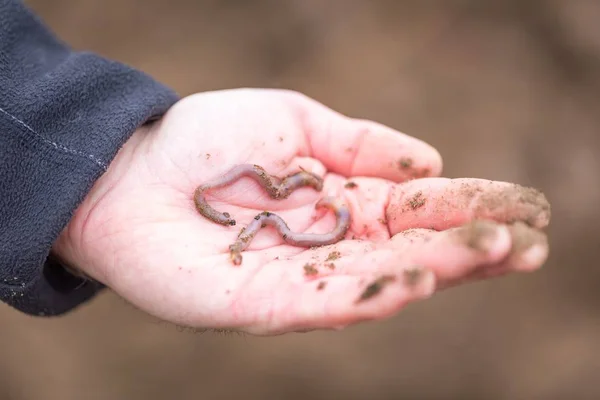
(342, 301)
(350, 147)
(456, 252)
(336, 301)
(355, 281)
(388, 279)
(439, 203)
(481, 245)
(528, 253)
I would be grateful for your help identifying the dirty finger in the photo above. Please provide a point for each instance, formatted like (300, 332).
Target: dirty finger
(440, 203)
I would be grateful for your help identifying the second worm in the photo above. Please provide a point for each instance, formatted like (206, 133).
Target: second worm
(265, 218)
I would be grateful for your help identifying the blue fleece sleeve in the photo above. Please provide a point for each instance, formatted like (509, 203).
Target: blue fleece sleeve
(63, 117)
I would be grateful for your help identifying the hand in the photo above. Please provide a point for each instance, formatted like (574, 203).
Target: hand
(139, 233)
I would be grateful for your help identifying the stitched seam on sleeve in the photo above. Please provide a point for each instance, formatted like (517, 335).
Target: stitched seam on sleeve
(57, 146)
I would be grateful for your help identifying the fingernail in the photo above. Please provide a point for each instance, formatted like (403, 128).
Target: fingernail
(533, 258)
(529, 247)
(479, 235)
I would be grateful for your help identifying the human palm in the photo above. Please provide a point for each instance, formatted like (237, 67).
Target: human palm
(139, 233)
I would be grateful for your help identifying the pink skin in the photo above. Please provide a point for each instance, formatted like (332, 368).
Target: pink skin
(265, 218)
(276, 188)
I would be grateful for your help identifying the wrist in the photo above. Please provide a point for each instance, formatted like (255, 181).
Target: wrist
(70, 246)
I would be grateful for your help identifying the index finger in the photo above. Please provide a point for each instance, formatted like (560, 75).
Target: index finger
(358, 147)
(440, 204)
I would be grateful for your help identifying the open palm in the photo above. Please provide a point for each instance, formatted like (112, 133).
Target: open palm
(139, 233)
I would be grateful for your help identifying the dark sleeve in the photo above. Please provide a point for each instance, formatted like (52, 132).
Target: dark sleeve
(63, 117)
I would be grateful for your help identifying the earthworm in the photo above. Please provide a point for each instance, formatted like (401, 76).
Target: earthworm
(265, 218)
(276, 188)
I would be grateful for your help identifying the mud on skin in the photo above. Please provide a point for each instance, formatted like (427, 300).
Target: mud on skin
(276, 188)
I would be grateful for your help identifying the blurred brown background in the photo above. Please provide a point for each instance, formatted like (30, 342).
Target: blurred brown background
(506, 90)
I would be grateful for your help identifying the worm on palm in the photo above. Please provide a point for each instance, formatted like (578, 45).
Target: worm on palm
(276, 188)
(266, 218)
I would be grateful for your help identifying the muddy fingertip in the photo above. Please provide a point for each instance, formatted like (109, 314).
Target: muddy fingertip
(529, 247)
(481, 235)
(524, 237)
